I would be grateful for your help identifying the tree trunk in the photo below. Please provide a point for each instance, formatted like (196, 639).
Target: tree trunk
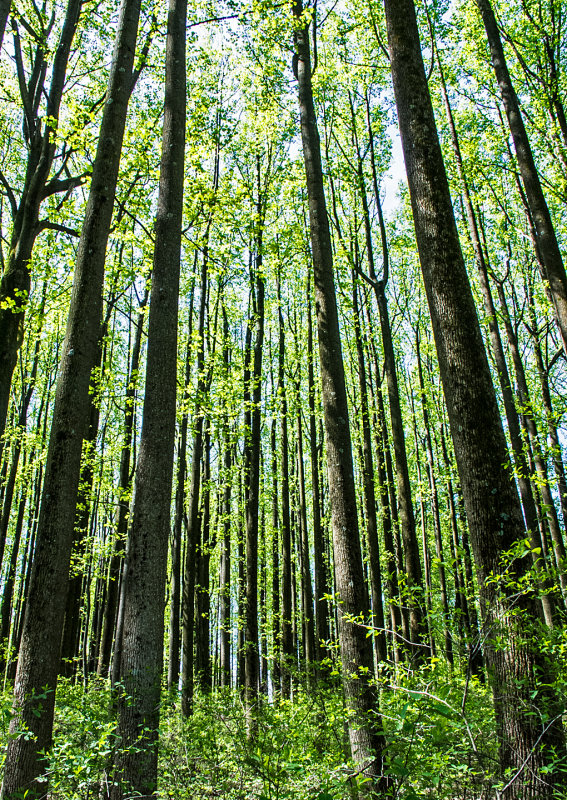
(123, 504)
(379, 636)
(320, 562)
(493, 508)
(448, 651)
(539, 212)
(16, 279)
(252, 450)
(202, 593)
(522, 469)
(224, 587)
(306, 585)
(38, 663)
(193, 519)
(285, 531)
(365, 733)
(144, 591)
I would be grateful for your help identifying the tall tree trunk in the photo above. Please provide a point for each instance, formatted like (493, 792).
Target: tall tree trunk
(320, 563)
(144, 592)
(389, 511)
(306, 584)
(122, 504)
(175, 599)
(365, 734)
(224, 583)
(41, 143)
(539, 212)
(36, 677)
(522, 469)
(193, 518)
(285, 531)
(252, 450)
(448, 651)
(202, 594)
(379, 636)
(493, 508)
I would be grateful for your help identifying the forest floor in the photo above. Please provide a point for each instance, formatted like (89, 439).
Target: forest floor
(439, 728)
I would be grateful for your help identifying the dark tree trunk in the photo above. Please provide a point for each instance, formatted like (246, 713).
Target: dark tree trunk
(175, 599)
(379, 636)
(448, 650)
(252, 450)
(224, 587)
(320, 562)
(306, 584)
(522, 469)
(122, 505)
(202, 594)
(144, 591)
(16, 279)
(385, 483)
(365, 734)
(38, 663)
(546, 239)
(285, 531)
(493, 508)
(193, 518)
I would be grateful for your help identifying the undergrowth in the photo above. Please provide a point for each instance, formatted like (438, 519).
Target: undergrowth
(439, 728)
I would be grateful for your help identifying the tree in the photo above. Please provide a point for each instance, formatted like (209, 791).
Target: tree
(366, 738)
(546, 241)
(492, 505)
(38, 663)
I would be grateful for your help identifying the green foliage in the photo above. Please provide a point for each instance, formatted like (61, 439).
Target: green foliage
(439, 728)
(297, 753)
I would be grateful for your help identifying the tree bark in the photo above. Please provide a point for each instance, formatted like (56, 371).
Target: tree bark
(365, 733)
(144, 591)
(252, 451)
(16, 280)
(492, 504)
(36, 677)
(546, 240)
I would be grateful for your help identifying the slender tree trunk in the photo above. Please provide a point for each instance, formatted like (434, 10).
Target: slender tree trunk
(144, 592)
(448, 651)
(285, 531)
(175, 600)
(193, 519)
(306, 584)
(16, 279)
(224, 588)
(379, 636)
(38, 663)
(493, 508)
(320, 563)
(365, 734)
(123, 504)
(539, 212)
(203, 599)
(8, 591)
(388, 512)
(252, 450)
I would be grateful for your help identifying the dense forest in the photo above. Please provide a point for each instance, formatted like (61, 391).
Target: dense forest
(282, 424)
